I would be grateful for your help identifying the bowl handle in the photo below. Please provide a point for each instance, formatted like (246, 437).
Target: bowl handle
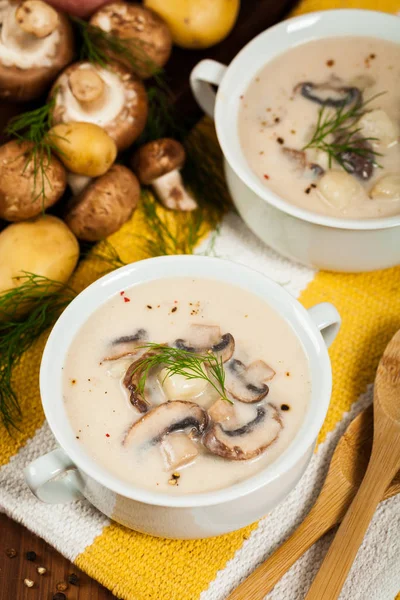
(206, 72)
(327, 319)
(40, 475)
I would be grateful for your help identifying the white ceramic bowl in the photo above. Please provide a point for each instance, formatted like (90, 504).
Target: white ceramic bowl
(312, 239)
(160, 514)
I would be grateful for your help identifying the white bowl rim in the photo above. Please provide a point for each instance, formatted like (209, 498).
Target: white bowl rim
(250, 178)
(284, 463)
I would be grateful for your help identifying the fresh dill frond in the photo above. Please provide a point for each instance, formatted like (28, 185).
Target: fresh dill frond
(105, 253)
(336, 133)
(46, 299)
(98, 46)
(190, 365)
(33, 126)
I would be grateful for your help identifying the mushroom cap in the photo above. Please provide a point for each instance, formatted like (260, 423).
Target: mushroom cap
(152, 42)
(247, 383)
(206, 339)
(104, 206)
(166, 418)
(21, 85)
(19, 199)
(126, 127)
(157, 158)
(247, 441)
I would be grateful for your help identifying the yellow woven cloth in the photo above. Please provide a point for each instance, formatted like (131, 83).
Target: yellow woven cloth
(181, 570)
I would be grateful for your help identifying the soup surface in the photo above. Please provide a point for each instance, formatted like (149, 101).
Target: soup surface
(316, 122)
(179, 436)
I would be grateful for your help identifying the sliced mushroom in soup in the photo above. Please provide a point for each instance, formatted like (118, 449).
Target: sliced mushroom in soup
(173, 386)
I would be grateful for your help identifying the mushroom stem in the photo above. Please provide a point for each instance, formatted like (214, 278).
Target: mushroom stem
(171, 191)
(36, 18)
(88, 88)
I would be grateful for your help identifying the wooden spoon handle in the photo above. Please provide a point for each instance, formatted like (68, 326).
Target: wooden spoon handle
(267, 575)
(339, 559)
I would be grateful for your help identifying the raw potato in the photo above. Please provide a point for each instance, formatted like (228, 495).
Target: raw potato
(84, 148)
(387, 188)
(339, 189)
(197, 23)
(104, 205)
(20, 198)
(377, 124)
(44, 246)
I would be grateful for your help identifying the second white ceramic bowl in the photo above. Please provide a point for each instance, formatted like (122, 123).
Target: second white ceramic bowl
(315, 240)
(190, 515)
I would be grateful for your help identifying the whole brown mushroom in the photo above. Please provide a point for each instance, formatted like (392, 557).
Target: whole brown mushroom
(104, 205)
(110, 97)
(158, 164)
(36, 42)
(146, 35)
(21, 194)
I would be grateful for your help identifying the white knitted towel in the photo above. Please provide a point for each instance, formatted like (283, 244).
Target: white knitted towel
(72, 527)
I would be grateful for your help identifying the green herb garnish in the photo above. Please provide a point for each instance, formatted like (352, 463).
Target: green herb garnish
(46, 299)
(33, 126)
(341, 122)
(98, 45)
(181, 362)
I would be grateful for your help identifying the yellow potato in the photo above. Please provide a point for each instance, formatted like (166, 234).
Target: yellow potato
(44, 246)
(84, 148)
(197, 23)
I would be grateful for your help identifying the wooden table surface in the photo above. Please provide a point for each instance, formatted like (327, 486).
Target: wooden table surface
(254, 17)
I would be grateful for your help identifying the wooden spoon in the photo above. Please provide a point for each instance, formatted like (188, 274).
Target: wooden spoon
(383, 465)
(347, 469)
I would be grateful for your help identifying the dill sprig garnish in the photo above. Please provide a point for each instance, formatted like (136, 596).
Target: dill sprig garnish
(98, 45)
(103, 252)
(46, 299)
(336, 133)
(32, 126)
(190, 365)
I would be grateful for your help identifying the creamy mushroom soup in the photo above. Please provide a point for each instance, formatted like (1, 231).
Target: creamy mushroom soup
(319, 125)
(175, 433)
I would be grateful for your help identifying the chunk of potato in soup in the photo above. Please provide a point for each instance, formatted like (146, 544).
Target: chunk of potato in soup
(320, 126)
(177, 435)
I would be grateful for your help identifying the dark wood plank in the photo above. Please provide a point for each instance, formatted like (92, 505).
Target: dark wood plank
(13, 571)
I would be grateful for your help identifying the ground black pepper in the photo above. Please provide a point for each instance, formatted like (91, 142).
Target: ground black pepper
(280, 140)
(285, 407)
(31, 555)
(73, 579)
(59, 596)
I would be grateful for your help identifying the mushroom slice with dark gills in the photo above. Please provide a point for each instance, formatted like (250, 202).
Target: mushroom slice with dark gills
(247, 441)
(247, 383)
(208, 339)
(127, 345)
(330, 93)
(132, 379)
(164, 420)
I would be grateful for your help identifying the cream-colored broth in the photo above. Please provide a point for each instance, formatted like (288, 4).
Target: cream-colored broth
(98, 405)
(273, 116)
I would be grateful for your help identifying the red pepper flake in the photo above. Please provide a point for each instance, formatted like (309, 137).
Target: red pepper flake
(73, 381)
(175, 301)
(122, 293)
(127, 299)
(107, 435)
(266, 176)
(330, 63)
(241, 97)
